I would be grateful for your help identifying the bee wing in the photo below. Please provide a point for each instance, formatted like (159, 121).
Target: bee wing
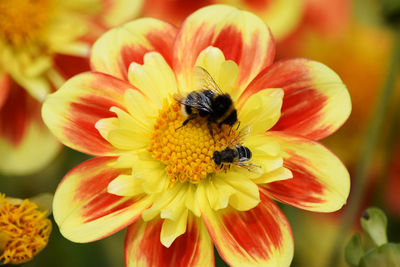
(204, 81)
(251, 167)
(240, 136)
(180, 98)
(197, 101)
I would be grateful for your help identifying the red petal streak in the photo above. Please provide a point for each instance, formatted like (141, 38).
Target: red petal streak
(303, 103)
(172, 11)
(230, 41)
(252, 50)
(158, 43)
(131, 54)
(253, 237)
(101, 203)
(5, 83)
(320, 180)
(143, 246)
(91, 106)
(292, 191)
(257, 5)
(69, 66)
(129, 43)
(300, 109)
(85, 115)
(82, 204)
(18, 110)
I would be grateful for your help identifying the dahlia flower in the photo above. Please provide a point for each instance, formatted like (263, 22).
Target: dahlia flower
(159, 177)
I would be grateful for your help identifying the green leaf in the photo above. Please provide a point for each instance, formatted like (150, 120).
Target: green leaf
(374, 223)
(387, 255)
(354, 251)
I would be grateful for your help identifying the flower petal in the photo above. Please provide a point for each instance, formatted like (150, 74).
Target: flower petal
(85, 211)
(125, 185)
(258, 237)
(4, 88)
(224, 72)
(67, 66)
(315, 103)
(72, 112)
(320, 180)
(154, 78)
(282, 16)
(113, 52)
(23, 135)
(117, 12)
(262, 110)
(242, 37)
(143, 246)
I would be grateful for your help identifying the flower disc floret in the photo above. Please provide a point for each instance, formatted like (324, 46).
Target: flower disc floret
(187, 150)
(25, 228)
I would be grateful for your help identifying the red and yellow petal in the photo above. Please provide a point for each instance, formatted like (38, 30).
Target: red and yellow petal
(240, 35)
(72, 112)
(315, 103)
(320, 180)
(85, 211)
(258, 237)
(143, 246)
(113, 52)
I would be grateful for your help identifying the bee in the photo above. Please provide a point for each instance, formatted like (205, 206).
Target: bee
(208, 101)
(237, 154)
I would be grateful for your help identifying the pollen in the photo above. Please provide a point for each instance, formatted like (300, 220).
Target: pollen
(22, 21)
(186, 150)
(24, 231)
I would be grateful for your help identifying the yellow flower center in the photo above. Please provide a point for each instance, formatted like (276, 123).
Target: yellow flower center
(24, 231)
(187, 151)
(21, 20)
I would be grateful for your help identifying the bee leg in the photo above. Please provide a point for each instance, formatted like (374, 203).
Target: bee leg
(191, 117)
(238, 126)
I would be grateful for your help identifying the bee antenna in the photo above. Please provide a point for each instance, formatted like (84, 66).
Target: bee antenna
(238, 125)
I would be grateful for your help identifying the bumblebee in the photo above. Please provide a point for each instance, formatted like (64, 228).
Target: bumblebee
(208, 101)
(236, 154)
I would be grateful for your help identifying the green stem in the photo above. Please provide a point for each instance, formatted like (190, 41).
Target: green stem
(367, 153)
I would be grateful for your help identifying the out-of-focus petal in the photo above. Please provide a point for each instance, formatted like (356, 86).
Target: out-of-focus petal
(4, 88)
(26, 145)
(242, 37)
(72, 112)
(143, 246)
(320, 180)
(282, 16)
(258, 237)
(118, 48)
(315, 103)
(119, 11)
(68, 66)
(85, 211)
